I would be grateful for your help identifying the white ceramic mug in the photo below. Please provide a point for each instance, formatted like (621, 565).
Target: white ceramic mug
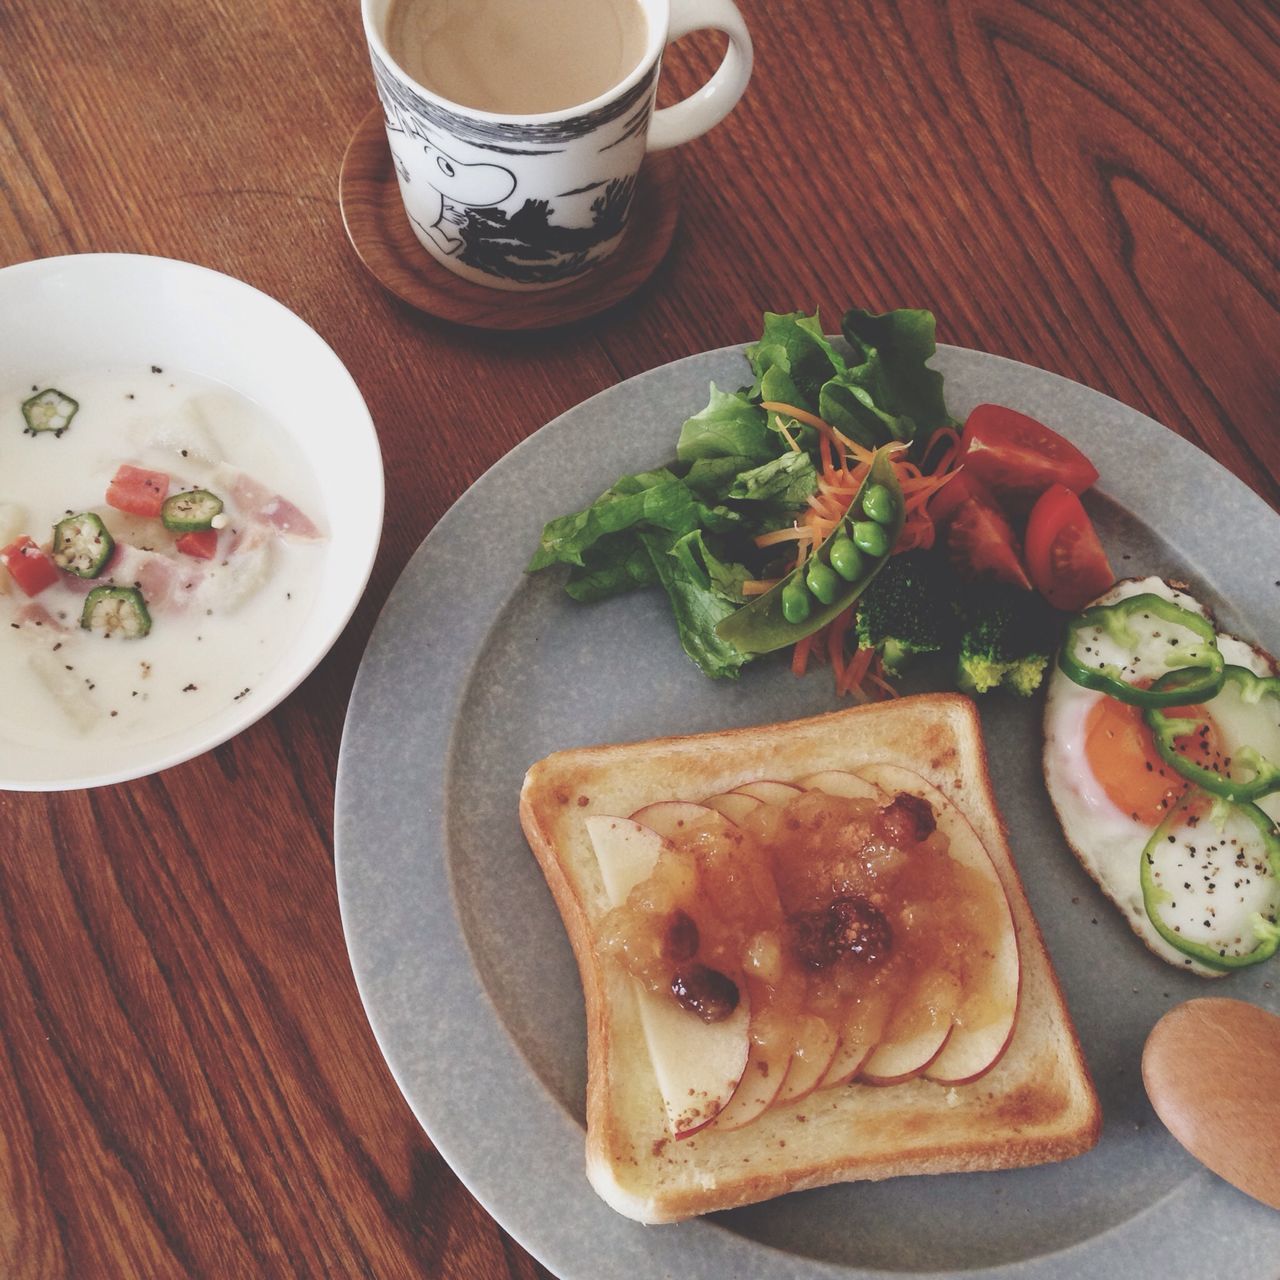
(528, 202)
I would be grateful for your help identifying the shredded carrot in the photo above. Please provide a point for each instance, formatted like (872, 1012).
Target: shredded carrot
(947, 459)
(883, 685)
(824, 429)
(800, 655)
(855, 673)
(758, 586)
(824, 452)
(791, 533)
(800, 415)
(837, 629)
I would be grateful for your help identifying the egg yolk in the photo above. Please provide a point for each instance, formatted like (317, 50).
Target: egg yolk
(1123, 757)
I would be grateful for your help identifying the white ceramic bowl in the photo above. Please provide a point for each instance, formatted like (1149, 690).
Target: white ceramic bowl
(106, 310)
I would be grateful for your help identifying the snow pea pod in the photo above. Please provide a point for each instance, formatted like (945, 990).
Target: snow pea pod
(762, 625)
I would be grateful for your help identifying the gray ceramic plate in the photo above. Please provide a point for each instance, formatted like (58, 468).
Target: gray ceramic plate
(475, 671)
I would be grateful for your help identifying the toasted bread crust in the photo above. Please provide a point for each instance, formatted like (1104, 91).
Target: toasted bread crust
(1036, 1105)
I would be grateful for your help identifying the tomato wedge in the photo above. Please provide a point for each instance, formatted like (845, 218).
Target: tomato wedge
(1068, 564)
(137, 491)
(1019, 458)
(980, 539)
(28, 566)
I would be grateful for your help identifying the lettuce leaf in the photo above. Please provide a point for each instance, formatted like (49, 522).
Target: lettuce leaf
(729, 427)
(695, 583)
(613, 566)
(788, 481)
(900, 343)
(792, 360)
(654, 498)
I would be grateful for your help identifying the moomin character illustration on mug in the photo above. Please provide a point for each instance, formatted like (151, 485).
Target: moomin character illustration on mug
(454, 184)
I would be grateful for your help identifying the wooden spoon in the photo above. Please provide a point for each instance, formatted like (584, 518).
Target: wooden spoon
(1212, 1071)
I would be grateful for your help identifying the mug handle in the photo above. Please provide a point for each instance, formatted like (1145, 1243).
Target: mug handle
(709, 105)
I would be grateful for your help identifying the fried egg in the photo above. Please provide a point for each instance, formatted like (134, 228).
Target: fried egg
(1111, 789)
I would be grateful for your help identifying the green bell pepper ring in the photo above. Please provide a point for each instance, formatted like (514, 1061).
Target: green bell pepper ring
(1163, 885)
(1201, 664)
(1263, 775)
(766, 623)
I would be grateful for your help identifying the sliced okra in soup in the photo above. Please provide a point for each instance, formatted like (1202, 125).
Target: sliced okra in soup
(1123, 649)
(116, 611)
(49, 410)
(191, 511)
(1210, 883)
(82, 545)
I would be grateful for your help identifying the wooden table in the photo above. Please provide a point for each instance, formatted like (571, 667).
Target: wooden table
(188, 1085)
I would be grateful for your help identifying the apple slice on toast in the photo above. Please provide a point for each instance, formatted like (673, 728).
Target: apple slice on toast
(839, 782)
(768, 1065)
(986, 1016)
(733, 804)
(861, 1035)
(698, 1065)
(815, 1049)
(769, 791)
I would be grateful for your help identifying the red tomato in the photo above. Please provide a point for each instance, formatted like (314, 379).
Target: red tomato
(961, 488)
(1067, 562)
(203, 544)
(28, 566)
(980, 539)
(1020, 457)
(137, 491)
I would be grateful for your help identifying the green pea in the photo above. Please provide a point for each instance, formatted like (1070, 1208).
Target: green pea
(846, 559)
(796, 602)
(870, 537)
(822, 581)
(878, 503)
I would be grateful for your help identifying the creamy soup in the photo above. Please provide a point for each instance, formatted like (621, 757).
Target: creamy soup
(223, 594)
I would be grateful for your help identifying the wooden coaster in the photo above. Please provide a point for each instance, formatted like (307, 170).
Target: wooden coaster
(379, 229)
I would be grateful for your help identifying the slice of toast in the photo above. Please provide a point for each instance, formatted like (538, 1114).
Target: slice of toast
(1037, 1104)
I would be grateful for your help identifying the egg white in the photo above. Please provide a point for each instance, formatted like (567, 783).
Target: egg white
(1108, 841)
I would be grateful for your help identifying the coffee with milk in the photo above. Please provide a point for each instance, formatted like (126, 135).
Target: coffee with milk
(517, 57)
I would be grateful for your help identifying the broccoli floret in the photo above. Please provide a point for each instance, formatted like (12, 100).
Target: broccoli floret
(1006, 639)
(908, 609)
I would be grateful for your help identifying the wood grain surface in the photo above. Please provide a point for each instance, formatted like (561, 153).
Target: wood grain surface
(188, 1086)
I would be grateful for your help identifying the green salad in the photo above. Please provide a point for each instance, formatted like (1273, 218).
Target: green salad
(746, 466)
